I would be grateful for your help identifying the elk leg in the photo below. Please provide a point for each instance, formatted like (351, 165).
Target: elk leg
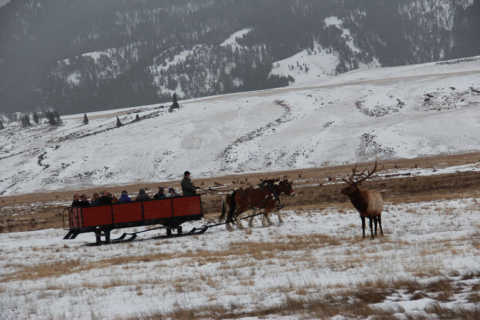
(363, 226)
(375, 220)
(371, 226)
(380, 223)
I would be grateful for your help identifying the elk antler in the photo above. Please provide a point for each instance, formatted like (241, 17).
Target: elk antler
(364, 175)
(369, 173)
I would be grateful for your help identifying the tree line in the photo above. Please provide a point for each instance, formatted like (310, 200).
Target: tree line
(28, 119)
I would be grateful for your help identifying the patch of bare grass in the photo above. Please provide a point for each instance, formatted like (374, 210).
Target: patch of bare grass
(443, 289)
(354, 301)
(43, 270)
(474, 297)
(410, 286)
(442, 312)
(317, 308)
(46, 270)
(471, 275)
(372, 295)
(424, 268)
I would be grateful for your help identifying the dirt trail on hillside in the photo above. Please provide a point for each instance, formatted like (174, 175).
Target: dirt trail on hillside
(313, 187)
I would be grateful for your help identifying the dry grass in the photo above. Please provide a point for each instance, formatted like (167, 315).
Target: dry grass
(474, 297)
(308, 301)
(44, 270)
(47, 270)
(452, 313)
(356, 302)
(442, 289)
(256, 250)
(300, 307)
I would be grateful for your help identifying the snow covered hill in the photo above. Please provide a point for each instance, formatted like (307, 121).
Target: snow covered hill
(384, 113)
(77, 56)
(320, 62)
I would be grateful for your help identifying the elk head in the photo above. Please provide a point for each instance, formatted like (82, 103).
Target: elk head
(355, 179)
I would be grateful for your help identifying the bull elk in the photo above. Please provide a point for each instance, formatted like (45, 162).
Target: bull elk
(368, 203)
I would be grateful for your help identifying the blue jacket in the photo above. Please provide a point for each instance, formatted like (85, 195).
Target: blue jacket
(124, 198)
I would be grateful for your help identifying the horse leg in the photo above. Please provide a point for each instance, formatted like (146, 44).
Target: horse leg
(229, 220)
(238, 222)
(280, 220)
(370, 219)
(224, 211)
(250, 221)
(380, 224)
(267, 216)
(363, 226)
(264, 219)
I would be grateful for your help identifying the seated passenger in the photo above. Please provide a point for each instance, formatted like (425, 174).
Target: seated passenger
(112, 196)
(84, 201)
(95, 199)
(142, 195)
(124, 198)
(76, 200)
(105, 198)
(172, 193)
(160, 194)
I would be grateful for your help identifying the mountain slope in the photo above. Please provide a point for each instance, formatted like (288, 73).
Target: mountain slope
(87, 55)
(382, 113)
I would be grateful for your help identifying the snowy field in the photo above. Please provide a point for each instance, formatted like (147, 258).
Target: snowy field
(315, 265)
(385, 113)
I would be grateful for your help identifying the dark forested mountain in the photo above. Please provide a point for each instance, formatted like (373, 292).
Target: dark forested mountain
(83, 55)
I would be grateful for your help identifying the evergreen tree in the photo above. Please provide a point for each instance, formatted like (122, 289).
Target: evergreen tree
(53, 117)
(174, 104)
(85, 119)
(25, 119)
(50, 117)
(1, 125)
(137, 118)
(119, 123)
(57, 117)
(36, 117)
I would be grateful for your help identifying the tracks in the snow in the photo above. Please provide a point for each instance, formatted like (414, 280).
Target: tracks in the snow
(229, 154)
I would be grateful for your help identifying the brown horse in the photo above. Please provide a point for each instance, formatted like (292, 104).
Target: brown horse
(265, 197)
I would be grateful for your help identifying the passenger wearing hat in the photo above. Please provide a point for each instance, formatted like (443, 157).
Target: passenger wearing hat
(172, 193)
(160, 194)
(142, 195)
(188, 189)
